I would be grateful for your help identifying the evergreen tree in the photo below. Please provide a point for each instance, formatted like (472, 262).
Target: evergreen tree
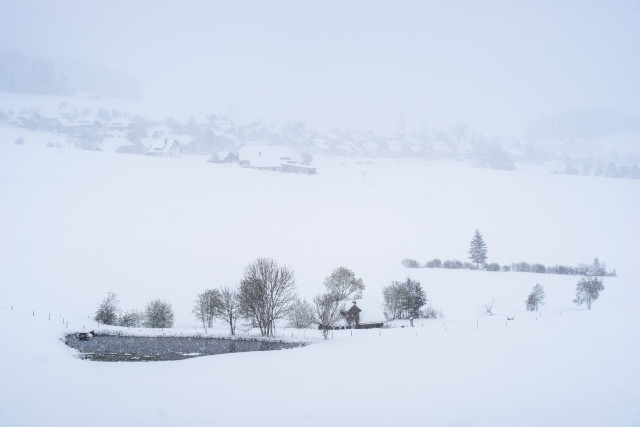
(535, 298)
(478, 250)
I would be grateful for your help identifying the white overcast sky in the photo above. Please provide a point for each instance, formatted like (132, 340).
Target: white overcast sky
(359, 64)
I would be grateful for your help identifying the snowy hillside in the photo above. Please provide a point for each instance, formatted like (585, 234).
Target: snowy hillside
(76, 224)
(591, 143)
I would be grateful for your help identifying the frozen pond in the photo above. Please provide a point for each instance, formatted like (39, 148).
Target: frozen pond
(115, 348)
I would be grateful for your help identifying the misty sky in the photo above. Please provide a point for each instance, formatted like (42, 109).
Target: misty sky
(363, 64)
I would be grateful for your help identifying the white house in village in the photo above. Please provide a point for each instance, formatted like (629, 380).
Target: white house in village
(166, 148)
(272, 157)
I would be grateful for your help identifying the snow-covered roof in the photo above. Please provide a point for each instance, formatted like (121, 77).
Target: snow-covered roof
(171, 142)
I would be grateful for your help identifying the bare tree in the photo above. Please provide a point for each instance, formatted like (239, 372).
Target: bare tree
(343, 284)
(230, 307)
(266, 293)
(328, 312)
(207, 306)
(107, 312)
(489, 306)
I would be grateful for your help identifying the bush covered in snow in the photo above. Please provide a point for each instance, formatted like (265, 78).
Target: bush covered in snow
(410, 263)
(158, 314)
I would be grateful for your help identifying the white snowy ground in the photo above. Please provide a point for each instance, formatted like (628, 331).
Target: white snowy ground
(76, 224)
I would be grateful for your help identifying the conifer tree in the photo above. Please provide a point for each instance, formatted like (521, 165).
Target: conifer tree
(478, 250)
(535, 298)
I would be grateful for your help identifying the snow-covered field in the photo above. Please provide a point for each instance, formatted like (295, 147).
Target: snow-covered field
(76, 224)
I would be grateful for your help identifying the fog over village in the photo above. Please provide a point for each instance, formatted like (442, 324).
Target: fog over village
(339, 213)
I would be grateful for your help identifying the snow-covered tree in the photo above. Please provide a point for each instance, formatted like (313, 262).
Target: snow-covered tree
(266, 293)
(230, 308)
(207, 306)
(588, 290)
(343, 284)
(107, 312)
(131, 319)
(328, 312)
(535, 298)
(403, 300)
(478, 250)
(158, 314)
(301, 314)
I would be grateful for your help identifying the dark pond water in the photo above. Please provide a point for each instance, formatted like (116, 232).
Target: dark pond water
(115, 348)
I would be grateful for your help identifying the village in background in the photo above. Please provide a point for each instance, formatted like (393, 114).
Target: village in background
(596, 142)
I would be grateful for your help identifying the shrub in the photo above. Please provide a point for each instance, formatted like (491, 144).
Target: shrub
(131, 319)
(158, 314)
(538, 268)
(410, 263)
(470, 266)
(453, 264)
(506, 268)
(560, 269)
(434, 263)
(302, 314)
(494, 266)
(521, 267)
(107, 312)
(431, 313)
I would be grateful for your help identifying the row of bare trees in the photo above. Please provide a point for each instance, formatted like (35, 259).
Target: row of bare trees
(267, 292)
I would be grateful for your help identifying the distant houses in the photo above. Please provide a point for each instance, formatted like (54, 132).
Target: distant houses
(272, 157)
(224, 157)
(165, 149)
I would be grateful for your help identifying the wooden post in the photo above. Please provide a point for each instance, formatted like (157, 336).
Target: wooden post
(33, 314)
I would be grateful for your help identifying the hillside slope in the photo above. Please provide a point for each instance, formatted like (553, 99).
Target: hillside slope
(76, 224)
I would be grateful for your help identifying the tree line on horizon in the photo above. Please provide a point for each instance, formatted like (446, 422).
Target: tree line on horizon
(478, 257)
